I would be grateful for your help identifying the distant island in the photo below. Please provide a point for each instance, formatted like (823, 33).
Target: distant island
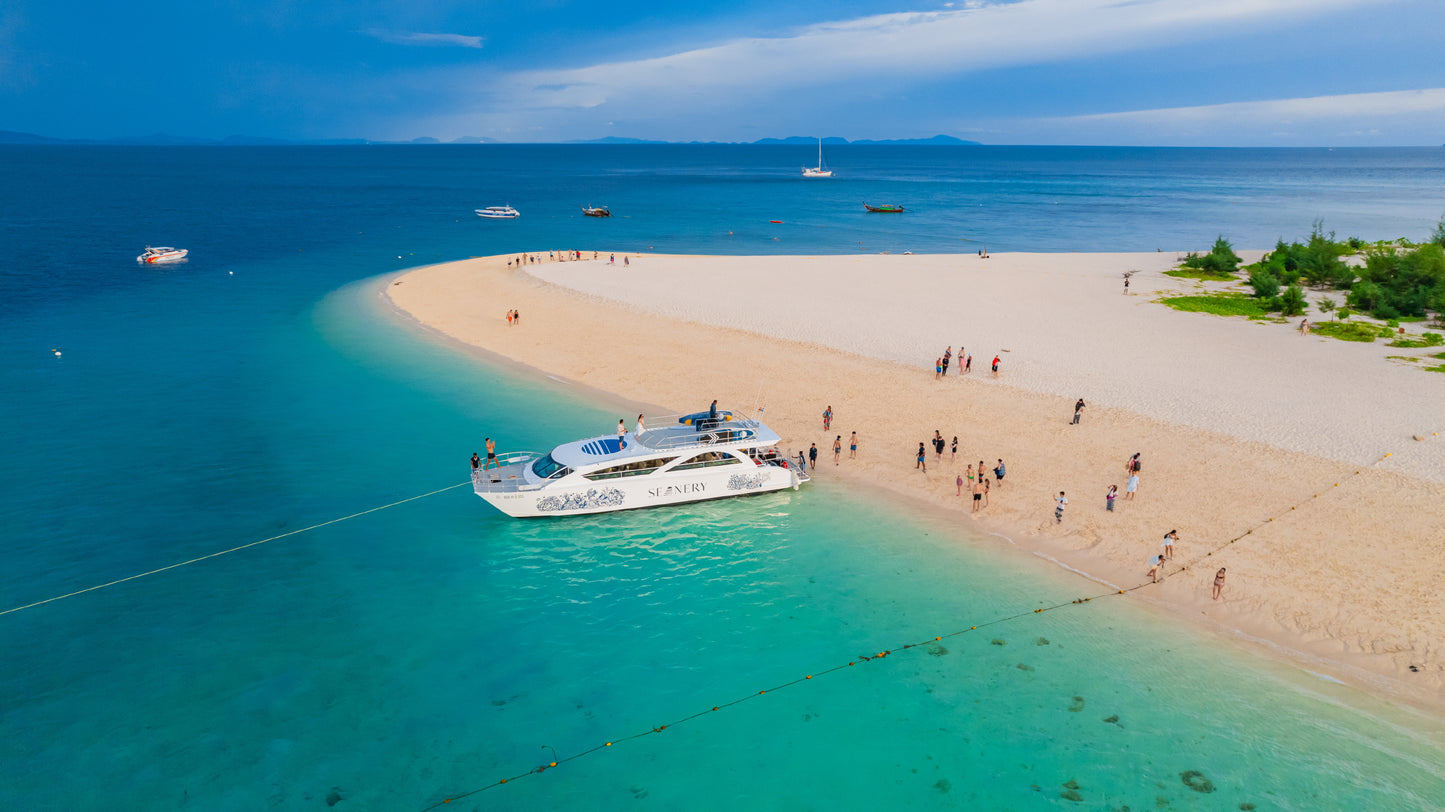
(162, 139)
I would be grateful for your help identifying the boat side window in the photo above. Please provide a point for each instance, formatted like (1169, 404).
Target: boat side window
(708, 459)
(548, 468)
(639, 468)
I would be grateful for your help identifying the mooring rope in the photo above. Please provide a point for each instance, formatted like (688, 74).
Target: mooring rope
(883, 654)
(232, 550)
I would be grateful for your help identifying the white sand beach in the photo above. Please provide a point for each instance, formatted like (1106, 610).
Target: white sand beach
(1300, 446)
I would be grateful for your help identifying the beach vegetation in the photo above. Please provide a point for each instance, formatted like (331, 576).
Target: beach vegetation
(1292, 302)
(1220, 261)
(1318, 262)
(1353, 330)
(1325, 305)
(1426, 340)
(1219, 304)
(1438, 236)
(1265, 284)
(1395, 283)
(1203, 276)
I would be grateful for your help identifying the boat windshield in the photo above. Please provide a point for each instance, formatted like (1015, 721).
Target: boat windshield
(548, 468)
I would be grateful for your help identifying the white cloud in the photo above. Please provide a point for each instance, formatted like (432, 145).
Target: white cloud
(906, 46)
(411, 38)
(1311, 110)
(1396, 117)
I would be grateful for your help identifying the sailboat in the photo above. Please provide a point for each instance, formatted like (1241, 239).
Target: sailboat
(818, 171)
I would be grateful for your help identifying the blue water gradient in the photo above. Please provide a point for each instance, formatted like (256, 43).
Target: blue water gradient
(396, 659)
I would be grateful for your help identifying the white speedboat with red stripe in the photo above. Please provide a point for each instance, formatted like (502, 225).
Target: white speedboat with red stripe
(162, 254)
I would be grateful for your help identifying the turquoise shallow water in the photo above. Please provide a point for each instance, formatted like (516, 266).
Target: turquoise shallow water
(415, 653)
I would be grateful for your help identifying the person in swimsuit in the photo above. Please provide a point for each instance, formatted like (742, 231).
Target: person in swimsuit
(1168, 545)
(937, 368)
(995, 366)
(953, 451)
(828, 418)
(853, 446)
(837, 449)
(922, 459)
(967, 365)
(977, 496)
(961, 356)
(491, 453)
(958, 482)
(985, 491)
(1218, 582)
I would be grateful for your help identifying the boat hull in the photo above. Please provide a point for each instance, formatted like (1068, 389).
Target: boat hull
(610, 495)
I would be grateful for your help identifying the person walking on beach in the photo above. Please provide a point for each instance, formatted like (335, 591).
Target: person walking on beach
(516, 317)
(977, 496)
(922, 459)
(509, 318)
(998, 472)
(1156, 567)
(937, 368)
(1132, 466)
(947, 356)
(853, 446)
(1109, 498)
(961, 356)
(641, 427)
(938, 444)
(1304, 327)
(967, 365)
(1078, 410)
(828, 418)
(621, 434)
(1218, 583)
(995, 366)
(837, 449)
(1059, 503)
(624, 262)
(953, 450)
(1168, 545)
(1131, 486)
(813, 457)
(491, 454)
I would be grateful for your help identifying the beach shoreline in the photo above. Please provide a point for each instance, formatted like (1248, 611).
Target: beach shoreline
(1363, 614)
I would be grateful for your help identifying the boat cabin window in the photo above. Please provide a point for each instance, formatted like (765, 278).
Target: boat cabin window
(639, 468)
(708, 459)
(548, 468)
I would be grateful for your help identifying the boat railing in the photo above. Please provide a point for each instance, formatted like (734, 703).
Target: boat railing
(506, 475)
(673, 435)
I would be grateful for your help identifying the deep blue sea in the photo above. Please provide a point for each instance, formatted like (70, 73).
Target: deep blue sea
(412, 654)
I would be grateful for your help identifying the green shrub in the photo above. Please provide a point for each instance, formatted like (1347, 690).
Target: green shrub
(1292, 302)
(1426, 340)
(1220, 260)
(1325, 305)
(1265, 283)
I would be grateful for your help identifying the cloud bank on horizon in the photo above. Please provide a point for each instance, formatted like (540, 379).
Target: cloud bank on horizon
(1166, 72)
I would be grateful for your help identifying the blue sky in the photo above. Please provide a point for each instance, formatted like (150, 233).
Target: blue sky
(1163, 72)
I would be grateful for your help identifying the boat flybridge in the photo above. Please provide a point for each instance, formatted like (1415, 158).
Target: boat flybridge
(695, 457)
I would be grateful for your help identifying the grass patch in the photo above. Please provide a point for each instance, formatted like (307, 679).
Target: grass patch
(1220, 304)
(1352, 330)
(1409, 359)
(1198, 273)
(1427, 340)
(1440, 368)
(1408, 319)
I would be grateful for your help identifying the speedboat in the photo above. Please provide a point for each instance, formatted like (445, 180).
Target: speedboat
(162, 254)
(884, 209)
(596, 211)
(706, 455)
(498, 213)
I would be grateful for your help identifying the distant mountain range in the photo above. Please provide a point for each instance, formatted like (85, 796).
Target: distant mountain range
(161, 139)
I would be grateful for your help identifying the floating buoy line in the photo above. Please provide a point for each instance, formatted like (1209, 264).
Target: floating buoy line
(232, 550)
(868, 658)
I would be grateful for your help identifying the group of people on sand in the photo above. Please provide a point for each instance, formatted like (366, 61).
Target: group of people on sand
(965, 363)
(514, 317)
(552, 256)
(810, 459)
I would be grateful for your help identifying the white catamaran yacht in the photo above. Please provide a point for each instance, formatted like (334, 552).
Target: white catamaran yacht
(707, 455)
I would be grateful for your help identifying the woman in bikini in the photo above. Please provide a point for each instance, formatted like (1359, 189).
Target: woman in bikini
(1218, 582)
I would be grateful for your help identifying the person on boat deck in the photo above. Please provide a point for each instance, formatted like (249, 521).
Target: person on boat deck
(621, 434)
(640, 427)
